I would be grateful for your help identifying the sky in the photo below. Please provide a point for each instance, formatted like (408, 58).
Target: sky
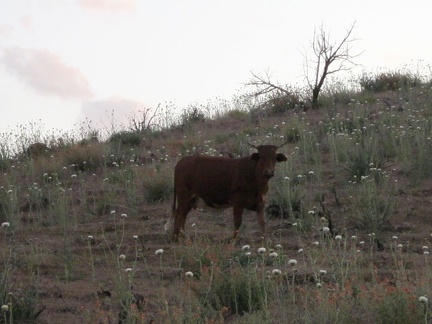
(66, 61)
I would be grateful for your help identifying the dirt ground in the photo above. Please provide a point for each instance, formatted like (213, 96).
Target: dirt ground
(78, 296)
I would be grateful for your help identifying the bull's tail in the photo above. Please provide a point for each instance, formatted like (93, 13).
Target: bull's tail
(170, 221)
(174, 202)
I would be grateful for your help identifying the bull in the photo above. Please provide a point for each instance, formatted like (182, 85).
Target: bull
(221, 182)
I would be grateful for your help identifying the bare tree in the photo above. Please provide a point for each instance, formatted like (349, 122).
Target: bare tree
(146, 121)
(278, 98)
(329, 58)
(264, 85)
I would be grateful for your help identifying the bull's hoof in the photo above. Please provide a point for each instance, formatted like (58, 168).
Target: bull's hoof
(178, 236)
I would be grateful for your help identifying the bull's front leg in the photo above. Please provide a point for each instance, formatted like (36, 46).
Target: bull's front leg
(238, 214)
(261, 218)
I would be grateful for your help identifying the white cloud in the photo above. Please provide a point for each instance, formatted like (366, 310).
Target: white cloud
(112, 5)
(5, 30)
(46, 73)
(26, 22)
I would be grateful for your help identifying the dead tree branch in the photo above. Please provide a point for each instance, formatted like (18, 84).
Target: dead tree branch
(146, 121)
(329, 58)
(264, 85)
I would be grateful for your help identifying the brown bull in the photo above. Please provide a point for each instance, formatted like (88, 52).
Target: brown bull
(224, 182)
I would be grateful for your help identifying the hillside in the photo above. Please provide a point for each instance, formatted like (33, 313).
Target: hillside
(348, 221)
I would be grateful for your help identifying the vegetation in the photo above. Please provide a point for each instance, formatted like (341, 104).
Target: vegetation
(348, 216)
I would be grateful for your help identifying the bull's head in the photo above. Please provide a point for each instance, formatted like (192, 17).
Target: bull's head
(266, 158)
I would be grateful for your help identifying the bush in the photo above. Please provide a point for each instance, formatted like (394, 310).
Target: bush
(158, 188)
(389, 81)
(373, 208)
(276, 104)
(126, 138)
(192, 115)
(84, 157)
(22, 301)
(24, 308)
(241, 292)
(398, 307)
(4, 163)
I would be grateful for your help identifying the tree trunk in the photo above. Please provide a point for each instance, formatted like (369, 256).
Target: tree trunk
(315, 94)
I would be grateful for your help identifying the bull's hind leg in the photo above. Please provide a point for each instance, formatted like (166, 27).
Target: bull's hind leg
(238, 215)
(184, 205)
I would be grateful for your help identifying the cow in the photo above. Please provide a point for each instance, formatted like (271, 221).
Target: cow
(223, 182)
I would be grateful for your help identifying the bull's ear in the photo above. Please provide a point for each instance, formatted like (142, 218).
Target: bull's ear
(254, 156)
(280, 157)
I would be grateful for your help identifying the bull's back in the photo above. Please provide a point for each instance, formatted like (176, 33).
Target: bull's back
(198, 169)
(211, 178)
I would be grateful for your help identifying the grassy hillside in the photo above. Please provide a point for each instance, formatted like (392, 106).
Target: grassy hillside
(348, 218)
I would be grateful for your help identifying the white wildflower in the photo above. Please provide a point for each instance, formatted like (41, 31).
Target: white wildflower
(159, 251)
(292, 262)
(276, 272)
(422, 299)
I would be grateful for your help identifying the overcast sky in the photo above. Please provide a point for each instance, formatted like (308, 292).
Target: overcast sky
(62, 61)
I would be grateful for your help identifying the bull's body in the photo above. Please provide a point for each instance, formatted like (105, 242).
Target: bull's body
(224, 182)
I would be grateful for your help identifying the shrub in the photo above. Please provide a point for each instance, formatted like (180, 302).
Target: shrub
(237, 114)
(37, 149)
(397, 308)
(84, 157)
(192, 115)
(241, 292)
(292, 135)
(23, 307)
(158, 188)
(126, 138)
(276, 104)
(373, 209)
(22, 301)
(4, 163)
(389, 81)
